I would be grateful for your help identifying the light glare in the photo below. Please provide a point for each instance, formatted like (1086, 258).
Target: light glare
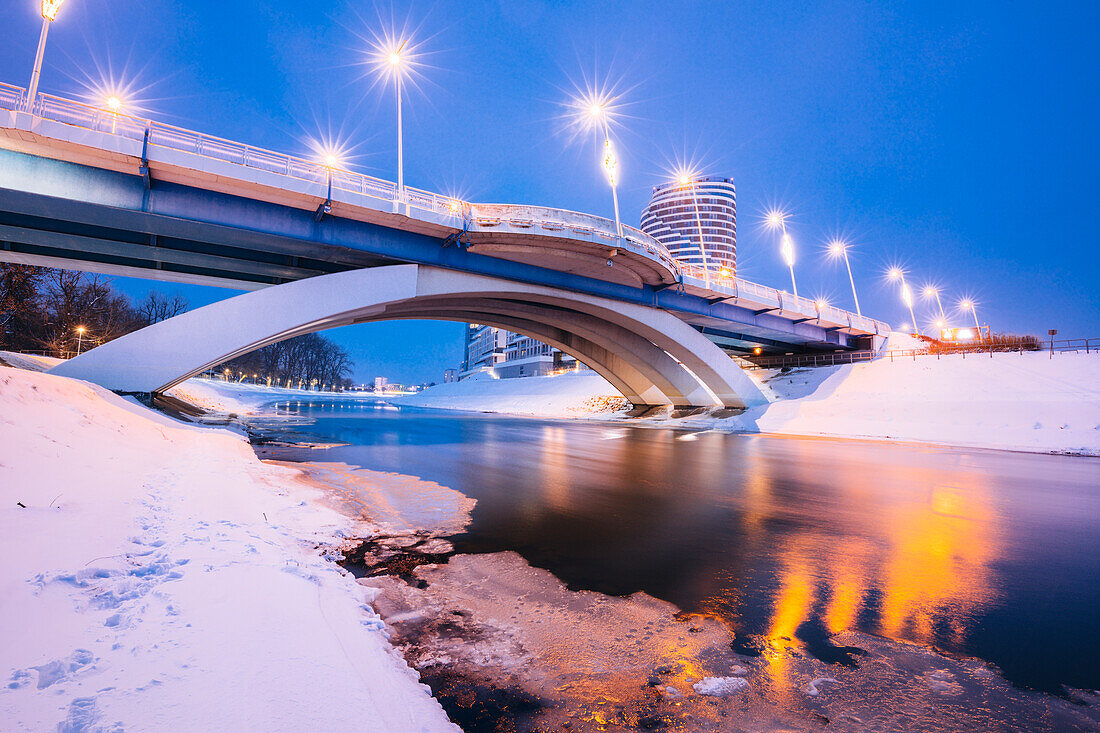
(50, 8)
(788, 250)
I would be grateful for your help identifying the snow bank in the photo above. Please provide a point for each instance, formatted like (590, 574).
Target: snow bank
(243, 399)
(565, 395)
(1024, 401)
(1013, 401)
(33, 362)
(157, 576)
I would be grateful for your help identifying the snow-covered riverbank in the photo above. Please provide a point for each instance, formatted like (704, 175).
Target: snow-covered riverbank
(1027, 402)
(158, 576)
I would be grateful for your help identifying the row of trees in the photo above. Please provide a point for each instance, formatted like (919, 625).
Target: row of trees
(310, 358)
(58, 312)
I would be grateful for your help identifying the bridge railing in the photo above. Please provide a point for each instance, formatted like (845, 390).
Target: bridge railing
(761, 297)
(98, 119)
(1065, 346)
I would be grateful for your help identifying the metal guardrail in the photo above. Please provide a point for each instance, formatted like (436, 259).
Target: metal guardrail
(90, 117)
(744, 291)
(1087, 346)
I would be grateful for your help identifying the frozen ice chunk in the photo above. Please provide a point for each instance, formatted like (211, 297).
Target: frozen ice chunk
(720, 686)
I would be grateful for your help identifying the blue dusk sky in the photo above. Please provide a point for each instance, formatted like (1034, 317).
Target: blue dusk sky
(956, 139)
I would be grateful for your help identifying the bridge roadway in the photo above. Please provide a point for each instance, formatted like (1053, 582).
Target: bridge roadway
(85, 188)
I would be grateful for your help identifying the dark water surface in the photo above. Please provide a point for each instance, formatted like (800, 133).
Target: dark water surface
(985, 553)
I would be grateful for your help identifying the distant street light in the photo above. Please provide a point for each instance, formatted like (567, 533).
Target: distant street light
(79, 338)
(839, 248)
(968, 305)
(896, 273)
(778, 220)
(49, 13)
(932, 291)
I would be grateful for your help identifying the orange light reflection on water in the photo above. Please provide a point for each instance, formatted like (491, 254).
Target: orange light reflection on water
(923, 565)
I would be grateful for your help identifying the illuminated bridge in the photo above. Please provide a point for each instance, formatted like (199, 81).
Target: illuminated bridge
(91, 189)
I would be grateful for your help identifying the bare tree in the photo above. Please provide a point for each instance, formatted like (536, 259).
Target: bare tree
(157, 307)
(22, 313)
(304, 358)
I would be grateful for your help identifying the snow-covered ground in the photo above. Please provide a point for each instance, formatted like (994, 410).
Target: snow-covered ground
(1025, 401)
(243, 399)
(564, 395)
(158, 576)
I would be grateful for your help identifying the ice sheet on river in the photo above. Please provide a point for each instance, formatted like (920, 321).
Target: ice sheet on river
(553, 656)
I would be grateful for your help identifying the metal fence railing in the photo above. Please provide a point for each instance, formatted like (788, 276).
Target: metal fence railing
(169, 137)
(1086, 346)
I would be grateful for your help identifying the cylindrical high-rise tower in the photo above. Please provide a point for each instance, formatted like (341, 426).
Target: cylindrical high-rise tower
(685, 214)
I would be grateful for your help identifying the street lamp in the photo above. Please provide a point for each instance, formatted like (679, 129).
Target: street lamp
(594, 110)
(839, 248)
(688, 179)
(79, 338)
(611, 167)
(778, 220)
(113, 103)
(968, 305)
(394, 58)
(932, 291)
(49, 13)
(896, 273)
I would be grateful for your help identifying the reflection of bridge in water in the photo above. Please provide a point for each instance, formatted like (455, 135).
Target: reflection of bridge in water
(90, 189)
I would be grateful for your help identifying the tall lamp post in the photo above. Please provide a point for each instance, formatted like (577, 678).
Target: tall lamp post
(689, 180)
(968, 305)
(594, 111)
(49, 13)
(931, 291)
(896, 273)
(79, 338)
(397, 64)
(839, 248)
(611, 165)
(778, 220)
(396, 57)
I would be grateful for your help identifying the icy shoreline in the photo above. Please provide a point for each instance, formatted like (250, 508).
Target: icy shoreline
(1023, 402)
(159, 576)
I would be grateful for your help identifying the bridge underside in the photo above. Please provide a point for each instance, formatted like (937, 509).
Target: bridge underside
(650, 356)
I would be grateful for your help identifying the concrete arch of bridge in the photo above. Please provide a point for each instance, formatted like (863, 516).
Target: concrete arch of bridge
(642, 351)
(629, 352)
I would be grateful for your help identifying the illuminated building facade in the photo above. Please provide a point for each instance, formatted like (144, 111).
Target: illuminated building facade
(682, 212)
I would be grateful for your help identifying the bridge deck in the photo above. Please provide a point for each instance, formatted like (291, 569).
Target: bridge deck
(109, 231)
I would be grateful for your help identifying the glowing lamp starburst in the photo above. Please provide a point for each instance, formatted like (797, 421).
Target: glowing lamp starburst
(114, 103)
(895, 273)
(775, 219)
(50, 8)
(821, 303)
(837, 247)
(929, 291)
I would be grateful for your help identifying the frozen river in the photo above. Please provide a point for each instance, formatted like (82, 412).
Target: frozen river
(984, 553)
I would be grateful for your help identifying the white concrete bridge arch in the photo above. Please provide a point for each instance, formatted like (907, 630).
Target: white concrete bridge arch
(649, 355)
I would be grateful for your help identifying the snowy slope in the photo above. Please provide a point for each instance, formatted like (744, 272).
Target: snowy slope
(157, 576)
